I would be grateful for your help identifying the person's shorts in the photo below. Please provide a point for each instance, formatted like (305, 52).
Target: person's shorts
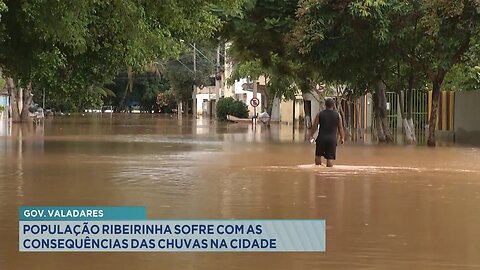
(326, 149)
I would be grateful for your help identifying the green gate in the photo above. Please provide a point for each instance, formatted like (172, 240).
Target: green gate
(419, 111)
(392, 111)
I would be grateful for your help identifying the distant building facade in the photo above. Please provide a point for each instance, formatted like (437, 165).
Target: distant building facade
(4, 104)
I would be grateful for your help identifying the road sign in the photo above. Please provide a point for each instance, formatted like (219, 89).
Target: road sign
(254, 102)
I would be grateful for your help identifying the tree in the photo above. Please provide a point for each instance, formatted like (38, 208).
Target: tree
(365, 39)
(260, 46)
(403, 79)
(349, 42)
(182, 77)
(68, 46)
(278, 86)
(465, 76)
(166, 101)
(142, 88)
(230, 106)
(446, 31)
(75, 101)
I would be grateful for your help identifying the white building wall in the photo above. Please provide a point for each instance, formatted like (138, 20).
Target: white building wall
(276, 110)
(201, 105)
(246, 96)
(226, 89)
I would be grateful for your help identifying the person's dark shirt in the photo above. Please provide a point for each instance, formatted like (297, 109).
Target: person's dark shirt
(328, 126)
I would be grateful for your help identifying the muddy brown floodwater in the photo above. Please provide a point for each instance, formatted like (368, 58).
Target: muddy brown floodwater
(386, 207)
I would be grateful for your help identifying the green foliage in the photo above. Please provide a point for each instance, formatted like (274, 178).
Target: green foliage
(166, 101)
(448, 30)
(146, 86)
(68, 46)
(261, 30)
(346, 41)
(355, 41)
(279, 85)
(359, 42)
(74, 101)
(3, 6)
(149, 90)
(260, 47)
(251, 69)
(230, 106)
(180, 75)
(463, 77)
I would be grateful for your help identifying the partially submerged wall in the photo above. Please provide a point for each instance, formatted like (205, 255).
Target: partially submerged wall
(467, 117)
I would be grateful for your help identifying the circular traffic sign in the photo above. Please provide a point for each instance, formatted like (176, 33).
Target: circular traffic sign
(254, 102)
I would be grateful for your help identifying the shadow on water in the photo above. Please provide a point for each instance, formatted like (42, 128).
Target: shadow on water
(401, 206)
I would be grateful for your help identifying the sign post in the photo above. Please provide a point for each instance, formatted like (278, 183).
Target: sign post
(254, 102)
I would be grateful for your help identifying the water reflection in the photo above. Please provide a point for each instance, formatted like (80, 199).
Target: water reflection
(386, 206)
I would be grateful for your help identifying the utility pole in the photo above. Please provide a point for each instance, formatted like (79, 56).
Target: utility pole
(218, 77)
(255, 85)
(194, 95)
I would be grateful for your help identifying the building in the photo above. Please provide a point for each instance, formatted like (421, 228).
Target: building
(4, 103)
(242, 90)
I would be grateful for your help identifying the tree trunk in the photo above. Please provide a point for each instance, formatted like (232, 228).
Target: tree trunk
(432, 122)
(307, 112)
(13, 93)
(341, 111)
(179, 109)
(122, 101)
(307, 121)
(128, 87)
(359, 129)
(20, 100)
(269, 105)
(381, 120)
(305, 89)
(269, 110)
(405, 126)
(378, 126)
(379, 132)
(409, 111)
(27, 101)
(349, 118)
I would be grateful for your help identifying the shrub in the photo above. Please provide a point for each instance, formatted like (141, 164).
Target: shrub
(232, 107)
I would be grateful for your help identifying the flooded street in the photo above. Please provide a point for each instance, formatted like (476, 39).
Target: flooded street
(396, 207)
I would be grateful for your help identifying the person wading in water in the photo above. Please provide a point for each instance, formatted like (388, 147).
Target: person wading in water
(327, 122)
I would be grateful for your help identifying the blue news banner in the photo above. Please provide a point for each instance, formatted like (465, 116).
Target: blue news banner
(117, 229)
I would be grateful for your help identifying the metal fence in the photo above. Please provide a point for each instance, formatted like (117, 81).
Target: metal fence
(358, 117)
(393, 111)
(419, 112)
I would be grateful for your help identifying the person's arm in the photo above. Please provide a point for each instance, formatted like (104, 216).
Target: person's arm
(340, 129)
(314, 125)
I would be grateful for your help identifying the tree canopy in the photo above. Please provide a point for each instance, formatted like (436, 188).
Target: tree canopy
(365, 42)
(72, 45)
(72, 48)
